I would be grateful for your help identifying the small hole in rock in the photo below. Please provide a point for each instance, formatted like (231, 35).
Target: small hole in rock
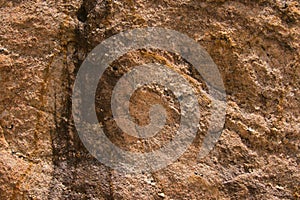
(82, 14)
(11, 126)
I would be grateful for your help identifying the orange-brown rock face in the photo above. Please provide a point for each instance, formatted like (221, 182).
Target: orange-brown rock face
(255, 45)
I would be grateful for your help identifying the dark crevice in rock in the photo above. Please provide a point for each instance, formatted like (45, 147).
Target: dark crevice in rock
(82, 14)
(70, 157)
(85, 9)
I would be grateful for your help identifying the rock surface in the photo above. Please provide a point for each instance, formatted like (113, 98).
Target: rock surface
(255, 44)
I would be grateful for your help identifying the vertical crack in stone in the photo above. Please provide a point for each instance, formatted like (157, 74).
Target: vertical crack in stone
(70, 158)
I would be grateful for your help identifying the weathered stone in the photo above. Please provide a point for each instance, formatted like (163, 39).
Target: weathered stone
(256, 47)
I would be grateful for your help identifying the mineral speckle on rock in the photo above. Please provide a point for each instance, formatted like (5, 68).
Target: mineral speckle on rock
(255, 45)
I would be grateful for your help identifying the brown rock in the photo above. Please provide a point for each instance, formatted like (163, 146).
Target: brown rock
(255, 46)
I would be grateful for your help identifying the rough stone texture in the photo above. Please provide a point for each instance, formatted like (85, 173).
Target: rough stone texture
(256, 47)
